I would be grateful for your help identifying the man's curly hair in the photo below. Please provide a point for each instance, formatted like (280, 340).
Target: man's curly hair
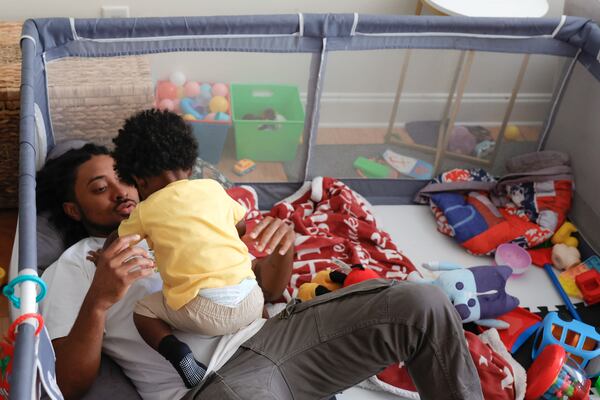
(151, 142)
(56, 185)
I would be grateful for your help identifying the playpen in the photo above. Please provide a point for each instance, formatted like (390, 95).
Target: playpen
(412, 85)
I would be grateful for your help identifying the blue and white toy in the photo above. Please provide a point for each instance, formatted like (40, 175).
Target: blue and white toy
(580, 340)
(478, 293)
(187, 106)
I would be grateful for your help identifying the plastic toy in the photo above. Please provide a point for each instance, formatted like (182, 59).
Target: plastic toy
(218, 104)
(484, 148)
(462, 141)
(564, 257)
(561, 291)
(512, 132)
(327, 281)
(210, 116)
(166, 104)
(206, 88)
(567, 280)
(191, 89)
(589, 285)
(189, 117)
(563, 235)
(187, 106)
(371, 169)
(513, 255)
(412, 167)
(177, 78)
(553, 375)
(244, 166)
(166, 90)
(203, 98)
(222, 116)
(478, 293)
(522, 324)
(220, 89)
(581, 341)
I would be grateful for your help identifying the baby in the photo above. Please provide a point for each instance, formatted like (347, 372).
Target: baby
(194, 229)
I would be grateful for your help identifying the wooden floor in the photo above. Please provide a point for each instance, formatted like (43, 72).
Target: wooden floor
(274, 171)
(8, 223)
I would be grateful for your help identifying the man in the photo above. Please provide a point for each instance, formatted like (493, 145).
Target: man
(310, 351)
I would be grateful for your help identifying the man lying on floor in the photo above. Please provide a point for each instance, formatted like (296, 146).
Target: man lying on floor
(312, 350)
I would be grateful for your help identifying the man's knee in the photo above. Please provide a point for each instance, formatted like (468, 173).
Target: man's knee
(423, 299)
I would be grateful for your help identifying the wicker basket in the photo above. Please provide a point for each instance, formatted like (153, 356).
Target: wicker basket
(10, 80)
(10, 34)
(90, 98)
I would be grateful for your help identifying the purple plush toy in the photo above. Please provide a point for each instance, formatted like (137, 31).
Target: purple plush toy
(462, 141)
(478, 293)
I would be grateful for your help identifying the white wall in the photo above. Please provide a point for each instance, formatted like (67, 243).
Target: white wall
(360, 86)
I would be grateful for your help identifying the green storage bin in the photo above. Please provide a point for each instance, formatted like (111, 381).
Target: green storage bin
(266, 140)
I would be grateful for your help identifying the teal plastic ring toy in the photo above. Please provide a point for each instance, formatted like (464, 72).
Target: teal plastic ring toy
(9, 289)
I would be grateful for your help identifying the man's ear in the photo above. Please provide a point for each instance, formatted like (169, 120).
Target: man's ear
(72, 210)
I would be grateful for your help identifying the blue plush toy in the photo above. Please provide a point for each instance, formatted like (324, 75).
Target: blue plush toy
(478, 293)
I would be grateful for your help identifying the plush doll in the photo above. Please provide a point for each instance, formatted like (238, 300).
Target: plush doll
(327, 281)
(478, 293)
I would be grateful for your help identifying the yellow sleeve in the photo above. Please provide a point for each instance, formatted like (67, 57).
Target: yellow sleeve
(133, 224)
(239, 211)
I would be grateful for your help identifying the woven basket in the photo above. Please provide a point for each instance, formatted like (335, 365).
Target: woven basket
(10, 80)
(10, 34)
(90, 98)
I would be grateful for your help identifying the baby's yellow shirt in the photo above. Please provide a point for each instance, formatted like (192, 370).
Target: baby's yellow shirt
(190, 226)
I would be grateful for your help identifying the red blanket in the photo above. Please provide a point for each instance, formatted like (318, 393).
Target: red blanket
(332, 221)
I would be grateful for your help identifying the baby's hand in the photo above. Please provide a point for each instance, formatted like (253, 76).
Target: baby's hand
(93, 255)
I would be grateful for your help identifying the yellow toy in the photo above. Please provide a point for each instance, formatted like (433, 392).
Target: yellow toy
(189, 117)
(563, 235)
(512, 132)
(309, 290)
(218, 104)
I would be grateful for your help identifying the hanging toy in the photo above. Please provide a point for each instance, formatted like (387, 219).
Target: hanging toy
(7, 349)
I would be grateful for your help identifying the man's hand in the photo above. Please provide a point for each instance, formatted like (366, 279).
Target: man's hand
(271, 233)
(117, 268)
(273, 271)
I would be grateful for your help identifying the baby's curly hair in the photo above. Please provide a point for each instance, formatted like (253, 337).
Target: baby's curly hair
(151, 142)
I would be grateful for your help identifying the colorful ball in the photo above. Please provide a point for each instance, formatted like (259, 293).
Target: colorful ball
(166, 90)
(221, 116)
(177, 78)
(218, 104)
(166, 104)
(189, 117)
(191, 89)
(203, 98)
(210, 116)
(206, 88)
(220, 89)
(512, 132)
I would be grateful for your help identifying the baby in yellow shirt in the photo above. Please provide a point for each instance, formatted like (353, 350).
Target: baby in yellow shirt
(194, 229)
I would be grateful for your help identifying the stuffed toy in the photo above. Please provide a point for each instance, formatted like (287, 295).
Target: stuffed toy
(478, 293)
(327, 281)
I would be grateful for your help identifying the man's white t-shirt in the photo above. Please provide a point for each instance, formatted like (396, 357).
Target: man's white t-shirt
(69, 279)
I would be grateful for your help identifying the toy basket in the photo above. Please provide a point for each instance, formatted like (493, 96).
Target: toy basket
(90, 98)
(266, 140)
(10, 80)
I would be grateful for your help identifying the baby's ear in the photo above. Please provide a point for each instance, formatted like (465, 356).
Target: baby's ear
(140, 183)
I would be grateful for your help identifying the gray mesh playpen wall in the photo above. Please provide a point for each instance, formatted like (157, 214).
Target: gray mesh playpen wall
(437, 91)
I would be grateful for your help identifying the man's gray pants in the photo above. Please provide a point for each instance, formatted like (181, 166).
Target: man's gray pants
(315, 349)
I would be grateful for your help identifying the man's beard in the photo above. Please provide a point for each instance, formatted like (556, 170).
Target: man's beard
(95, 229)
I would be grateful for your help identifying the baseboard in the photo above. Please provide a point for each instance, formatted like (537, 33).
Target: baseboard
(374, 109)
